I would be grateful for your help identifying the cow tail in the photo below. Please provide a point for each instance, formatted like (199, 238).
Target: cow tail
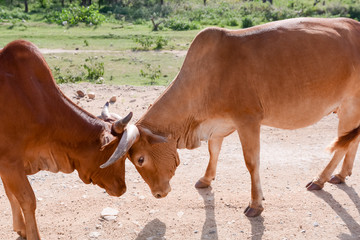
(344, 141)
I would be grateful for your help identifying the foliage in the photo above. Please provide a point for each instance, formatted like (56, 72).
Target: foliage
(181, 24)
(152, 73)
(146, 42)
(75, 15)
(13, 14)
(95, 70)
(67, 78)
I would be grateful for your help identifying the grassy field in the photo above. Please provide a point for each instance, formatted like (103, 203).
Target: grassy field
(119, 44)
(112, 44)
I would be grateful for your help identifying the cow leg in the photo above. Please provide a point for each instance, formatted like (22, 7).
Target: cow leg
(214, 150)
(249, 134)
(346, 169)
(18, 219)
(349, 119)
(18, 186)
(318, 183)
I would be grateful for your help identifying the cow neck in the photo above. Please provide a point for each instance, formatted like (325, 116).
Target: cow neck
(74, 138)
(177, 113)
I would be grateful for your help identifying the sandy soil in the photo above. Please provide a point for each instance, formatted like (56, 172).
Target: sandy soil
(70, 209)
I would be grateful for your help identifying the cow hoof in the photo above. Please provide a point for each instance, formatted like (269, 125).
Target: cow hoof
(336, 179)
(313, 186)
(253, 212)
(21, 234)
(200, 184)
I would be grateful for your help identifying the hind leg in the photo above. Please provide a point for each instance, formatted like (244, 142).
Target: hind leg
(349, 119)
(347, 166)
(214, 150)
(18, 219)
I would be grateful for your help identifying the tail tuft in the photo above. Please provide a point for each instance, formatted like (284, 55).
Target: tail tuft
(344, 141)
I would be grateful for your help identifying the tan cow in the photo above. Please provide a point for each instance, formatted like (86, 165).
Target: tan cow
(41, 129)
(286, 74)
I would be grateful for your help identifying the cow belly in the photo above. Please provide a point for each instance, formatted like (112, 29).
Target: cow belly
(297, 118)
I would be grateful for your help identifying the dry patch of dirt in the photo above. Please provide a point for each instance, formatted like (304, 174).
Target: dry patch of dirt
(70, 209)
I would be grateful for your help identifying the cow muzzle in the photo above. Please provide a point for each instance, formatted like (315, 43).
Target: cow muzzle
(161, 193)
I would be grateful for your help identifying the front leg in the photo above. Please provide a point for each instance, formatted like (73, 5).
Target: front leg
(18, 219)
(214, 150)
(18, 187)
(249, 134)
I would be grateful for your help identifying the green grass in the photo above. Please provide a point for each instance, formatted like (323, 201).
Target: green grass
(107, 37)
(114, 43)
(121, 67)
(114, 40)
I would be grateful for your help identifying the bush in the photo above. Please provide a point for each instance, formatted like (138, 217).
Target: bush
(75, 15)
(14, 14)
(152, 73)
(354, 12)
(160, 42)
(178, 24)
(68, 78)
(246, 22)
(148, 42)
(95, 70)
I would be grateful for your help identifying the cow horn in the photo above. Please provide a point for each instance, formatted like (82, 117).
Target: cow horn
(129, 137)
(120, 125)
(105, 111)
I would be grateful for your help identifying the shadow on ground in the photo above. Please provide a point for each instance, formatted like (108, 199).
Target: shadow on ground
(350, 222)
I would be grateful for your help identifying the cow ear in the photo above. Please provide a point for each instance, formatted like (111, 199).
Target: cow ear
(151, 137)
(106, 140)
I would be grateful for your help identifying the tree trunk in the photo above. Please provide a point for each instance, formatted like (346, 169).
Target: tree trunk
(161, 2)
(26, 6)
(204, 2)
(63, 3)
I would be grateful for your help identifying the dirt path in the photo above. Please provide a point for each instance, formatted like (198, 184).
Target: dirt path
(69, 209)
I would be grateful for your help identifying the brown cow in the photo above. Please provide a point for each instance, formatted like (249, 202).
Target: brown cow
(286, 74)
(41, 129)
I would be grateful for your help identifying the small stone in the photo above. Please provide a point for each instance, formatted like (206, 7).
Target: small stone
(109, 213)
(152, 211)
(132, 100)
(113, 99)
(180, 214)
(94, 234)
(303, 231)
(91, 95)
(316, 224)
(80, 93)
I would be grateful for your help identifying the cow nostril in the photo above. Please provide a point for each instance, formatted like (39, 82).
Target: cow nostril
(158, 195)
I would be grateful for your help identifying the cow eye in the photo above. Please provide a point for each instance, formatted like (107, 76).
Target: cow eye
(141, 161)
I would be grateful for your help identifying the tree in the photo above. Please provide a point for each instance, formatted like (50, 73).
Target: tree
(26, 6)
(270, 1)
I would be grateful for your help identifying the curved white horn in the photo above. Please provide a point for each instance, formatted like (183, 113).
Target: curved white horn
(120, 125)
(105, 111)
(129, 137)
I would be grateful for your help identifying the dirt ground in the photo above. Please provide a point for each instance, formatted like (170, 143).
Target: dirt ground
(70, 209)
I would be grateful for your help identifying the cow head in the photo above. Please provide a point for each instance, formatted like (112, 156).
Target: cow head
(111, 179)
(155, 157)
